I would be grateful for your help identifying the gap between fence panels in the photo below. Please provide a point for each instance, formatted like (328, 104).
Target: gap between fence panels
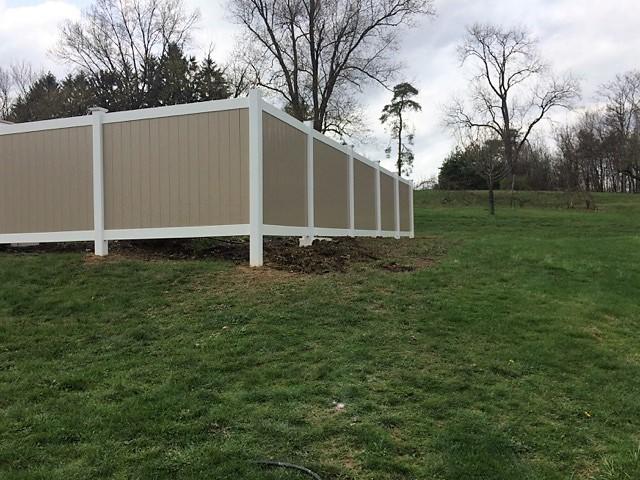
(143, 178)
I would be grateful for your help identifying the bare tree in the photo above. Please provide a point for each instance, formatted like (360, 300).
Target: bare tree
(316, 54)
(23, 77)
(15, 81)
(512, 91)
(239, 75)
(120, 40)
(622, 114)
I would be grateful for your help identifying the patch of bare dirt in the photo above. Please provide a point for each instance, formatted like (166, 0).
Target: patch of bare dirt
(233, 249)
(70, 247)
(281, 254)
(322, 257)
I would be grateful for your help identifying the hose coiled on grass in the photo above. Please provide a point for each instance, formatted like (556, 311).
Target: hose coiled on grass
(270, 463)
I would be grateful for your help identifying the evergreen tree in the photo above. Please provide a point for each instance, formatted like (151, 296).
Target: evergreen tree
(210, 83)
(458, 173)
(176, 79)
(395, 115)
(42, 101)
(77, 95)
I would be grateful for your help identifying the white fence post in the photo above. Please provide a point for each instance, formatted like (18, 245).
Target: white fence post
(352, 201)
(396, 204)
(307, 240)
(101, 246)
(378, 202)
(256, 240)
(411, 192)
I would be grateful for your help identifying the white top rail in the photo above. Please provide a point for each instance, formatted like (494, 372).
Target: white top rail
(176, 110)
(127, 116)
(9, 129)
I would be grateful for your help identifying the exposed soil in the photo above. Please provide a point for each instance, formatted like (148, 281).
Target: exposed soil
(285, 254)
(322, 257)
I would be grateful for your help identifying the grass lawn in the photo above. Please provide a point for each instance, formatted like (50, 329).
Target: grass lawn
(511, 352)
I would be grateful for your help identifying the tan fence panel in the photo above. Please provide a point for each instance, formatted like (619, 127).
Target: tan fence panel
(46, 181)
(285, 173)
(405, 212)
(387, 195)
(364, 194)
(188, 170)
(330, 186)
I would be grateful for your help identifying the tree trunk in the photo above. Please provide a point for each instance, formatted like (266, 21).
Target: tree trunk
(513, 190)
(492, 201)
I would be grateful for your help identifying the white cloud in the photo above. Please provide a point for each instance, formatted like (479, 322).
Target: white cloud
(214, 30)
(28, 30)
(592, 39)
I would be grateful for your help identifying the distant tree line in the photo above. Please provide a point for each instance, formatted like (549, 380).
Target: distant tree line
(599, 153)
(174, 79)
(512, 91)
(127, 55)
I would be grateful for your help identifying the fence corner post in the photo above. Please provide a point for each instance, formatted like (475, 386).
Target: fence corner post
(308, 239)
(396, 204)
(101, 246)
(256, 227)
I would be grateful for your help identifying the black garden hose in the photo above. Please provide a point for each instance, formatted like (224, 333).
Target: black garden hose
(271, 463)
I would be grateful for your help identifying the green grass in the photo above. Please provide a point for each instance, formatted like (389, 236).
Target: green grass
(516, 355)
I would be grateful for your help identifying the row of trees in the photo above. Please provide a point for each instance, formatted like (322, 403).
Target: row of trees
(126, 55)
(599, 153)
(176, 79)
(512, 91)
(602, 151)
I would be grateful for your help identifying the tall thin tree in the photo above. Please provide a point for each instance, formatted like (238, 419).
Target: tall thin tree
(394, 115)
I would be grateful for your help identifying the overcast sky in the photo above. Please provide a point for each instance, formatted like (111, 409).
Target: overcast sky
(593, 39)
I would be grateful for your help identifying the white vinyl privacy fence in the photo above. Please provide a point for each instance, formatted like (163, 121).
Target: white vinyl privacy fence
(212, 169)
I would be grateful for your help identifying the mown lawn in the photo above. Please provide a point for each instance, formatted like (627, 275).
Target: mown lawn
(512, 352)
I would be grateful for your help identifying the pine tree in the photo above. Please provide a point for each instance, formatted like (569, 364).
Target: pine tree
(210, 83)
(395, 115)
